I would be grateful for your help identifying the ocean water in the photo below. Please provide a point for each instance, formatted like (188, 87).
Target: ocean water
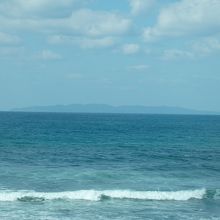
(109, 166)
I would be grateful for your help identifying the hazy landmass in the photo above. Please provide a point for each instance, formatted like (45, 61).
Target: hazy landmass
(101, 108)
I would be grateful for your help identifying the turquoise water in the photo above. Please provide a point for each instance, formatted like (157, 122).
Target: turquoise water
(106, 166)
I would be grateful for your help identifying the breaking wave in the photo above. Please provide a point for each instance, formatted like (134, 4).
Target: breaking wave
(95, 195)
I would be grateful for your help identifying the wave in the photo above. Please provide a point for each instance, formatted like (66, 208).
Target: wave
(95, 195)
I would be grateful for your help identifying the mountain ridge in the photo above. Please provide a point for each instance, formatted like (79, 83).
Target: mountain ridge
(104, 108)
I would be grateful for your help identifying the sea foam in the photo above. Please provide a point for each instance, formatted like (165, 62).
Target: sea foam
(95, 195)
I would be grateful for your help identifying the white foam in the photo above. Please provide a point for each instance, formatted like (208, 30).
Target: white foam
(95, 195)
(156, 195)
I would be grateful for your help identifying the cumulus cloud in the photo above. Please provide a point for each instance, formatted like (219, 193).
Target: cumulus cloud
(97, 43)
(96, 23)
(84, 21)
(140, 67)
(49, 55)
(83, 42)
(175, 54)
(186, 17)
(60, 39)
(11, 51)
(74, 76)
(8, 38)
(200, 48)
(63, 21)
(140, 6)
(129, 49)
(37, 8)
(206, 46)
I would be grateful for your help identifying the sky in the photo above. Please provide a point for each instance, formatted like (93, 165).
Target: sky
(117, 52)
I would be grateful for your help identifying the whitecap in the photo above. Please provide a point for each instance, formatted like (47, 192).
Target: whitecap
(97, 195)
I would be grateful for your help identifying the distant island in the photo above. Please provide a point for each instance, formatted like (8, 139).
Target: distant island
(123, 109)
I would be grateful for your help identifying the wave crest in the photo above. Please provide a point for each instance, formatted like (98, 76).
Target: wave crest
(95, 195)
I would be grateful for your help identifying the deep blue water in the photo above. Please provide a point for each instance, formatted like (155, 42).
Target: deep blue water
(109, 166)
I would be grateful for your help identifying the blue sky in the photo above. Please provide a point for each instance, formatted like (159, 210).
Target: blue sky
(135, 52)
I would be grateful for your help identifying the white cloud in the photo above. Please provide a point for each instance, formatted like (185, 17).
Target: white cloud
(8, 39)
(130, 49)
(97, 23)
(74, 76)
(186, 17)
(10, 51)
(175, 54)
(206, 46)
(84, 27)
(36, 8)
(83, 42)
(140, 6)
(140, 67)
(83, 21)
(60, 39)
(200, 48)
(97, 43)
(49, 55)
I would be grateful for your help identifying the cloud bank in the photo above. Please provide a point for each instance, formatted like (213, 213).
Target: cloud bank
(186, 17)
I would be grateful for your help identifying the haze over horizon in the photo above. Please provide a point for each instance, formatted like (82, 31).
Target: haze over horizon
(127, 52)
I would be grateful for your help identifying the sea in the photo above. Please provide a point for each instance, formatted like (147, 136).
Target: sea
(62, 166)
